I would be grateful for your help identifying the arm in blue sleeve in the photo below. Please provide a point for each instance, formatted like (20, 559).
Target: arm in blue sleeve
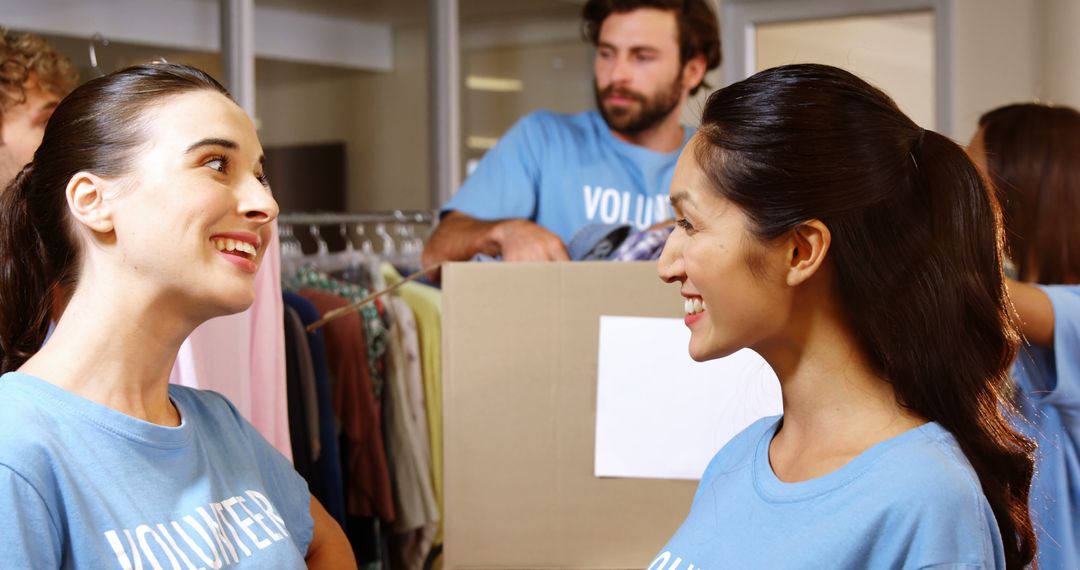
(505, 183)
(1066, 302)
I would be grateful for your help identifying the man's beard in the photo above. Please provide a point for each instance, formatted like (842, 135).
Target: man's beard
(627, 121)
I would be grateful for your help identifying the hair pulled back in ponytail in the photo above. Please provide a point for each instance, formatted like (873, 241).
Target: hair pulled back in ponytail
(26, 271)
(917, 244)
(95, 129)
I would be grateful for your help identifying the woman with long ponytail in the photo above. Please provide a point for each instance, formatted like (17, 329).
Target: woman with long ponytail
(861, 256)
(144, 213)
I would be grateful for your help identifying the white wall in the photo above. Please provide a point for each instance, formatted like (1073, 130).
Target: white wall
(996, 52)
(393, 158)
(866, 46)
(380, 116)
(1060, 52)
(1002, 51)
(556, 76)
(1010, 51)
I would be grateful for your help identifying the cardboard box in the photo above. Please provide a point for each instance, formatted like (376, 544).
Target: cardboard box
(519, 401)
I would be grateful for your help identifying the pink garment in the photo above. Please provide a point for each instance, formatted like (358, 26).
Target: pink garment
(242, 356)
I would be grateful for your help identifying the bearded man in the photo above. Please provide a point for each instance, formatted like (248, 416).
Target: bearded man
(552, 174)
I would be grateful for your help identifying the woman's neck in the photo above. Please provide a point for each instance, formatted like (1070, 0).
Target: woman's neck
(835, 405)
(115, 346)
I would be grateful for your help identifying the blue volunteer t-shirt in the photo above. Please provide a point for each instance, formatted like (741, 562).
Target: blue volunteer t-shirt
(566, 171)
(1049, 382)
(912, 501)
(85, 486)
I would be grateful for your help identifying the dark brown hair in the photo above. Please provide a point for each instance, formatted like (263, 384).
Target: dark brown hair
(699, 29)
(917, 245)
(1033, 158)
(96, 129)
(24, 54)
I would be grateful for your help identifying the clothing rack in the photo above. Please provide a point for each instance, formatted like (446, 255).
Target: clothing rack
(343, 219)
(330, 218)
(398, 235)
(387, 373)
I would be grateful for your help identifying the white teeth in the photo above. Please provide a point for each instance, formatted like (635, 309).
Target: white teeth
(226, 244)
(694, 306)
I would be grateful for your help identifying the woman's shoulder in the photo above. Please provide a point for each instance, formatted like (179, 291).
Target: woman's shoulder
(26, 407)
(928, 485)
(738, 452)
(30, 423)
(218, 424)
(932, 467)
(204, 405)
(933, 501)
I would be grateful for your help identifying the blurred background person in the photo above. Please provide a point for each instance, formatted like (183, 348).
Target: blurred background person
(33, 79)
(552, 174)
(1030, 151)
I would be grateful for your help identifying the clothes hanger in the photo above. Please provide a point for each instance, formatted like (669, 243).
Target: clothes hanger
(97, 37)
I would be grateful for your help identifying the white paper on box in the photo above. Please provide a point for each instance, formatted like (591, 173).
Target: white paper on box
(661, 415)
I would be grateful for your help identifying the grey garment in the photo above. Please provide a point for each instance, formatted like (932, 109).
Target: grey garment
(406, 440)
(596, 242)
(307, 381)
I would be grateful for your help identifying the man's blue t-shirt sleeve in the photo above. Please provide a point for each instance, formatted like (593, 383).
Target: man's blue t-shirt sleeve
(506, 182)
(28, 534)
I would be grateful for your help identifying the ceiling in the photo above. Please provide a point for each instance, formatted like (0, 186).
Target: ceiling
(414, 12)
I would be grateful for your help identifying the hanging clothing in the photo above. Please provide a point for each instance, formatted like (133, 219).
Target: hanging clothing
(426, 304)
(646, 245)
(372, 314)
(309, 399)
(368, 492)
(407, 439)
(242, 356)
(298, 415)
(326, 484)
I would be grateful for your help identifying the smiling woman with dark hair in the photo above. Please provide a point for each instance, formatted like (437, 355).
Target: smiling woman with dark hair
(147, 203)
(861, 256)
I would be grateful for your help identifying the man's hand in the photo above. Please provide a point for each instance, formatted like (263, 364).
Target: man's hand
(522, 240)
(459, 237)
